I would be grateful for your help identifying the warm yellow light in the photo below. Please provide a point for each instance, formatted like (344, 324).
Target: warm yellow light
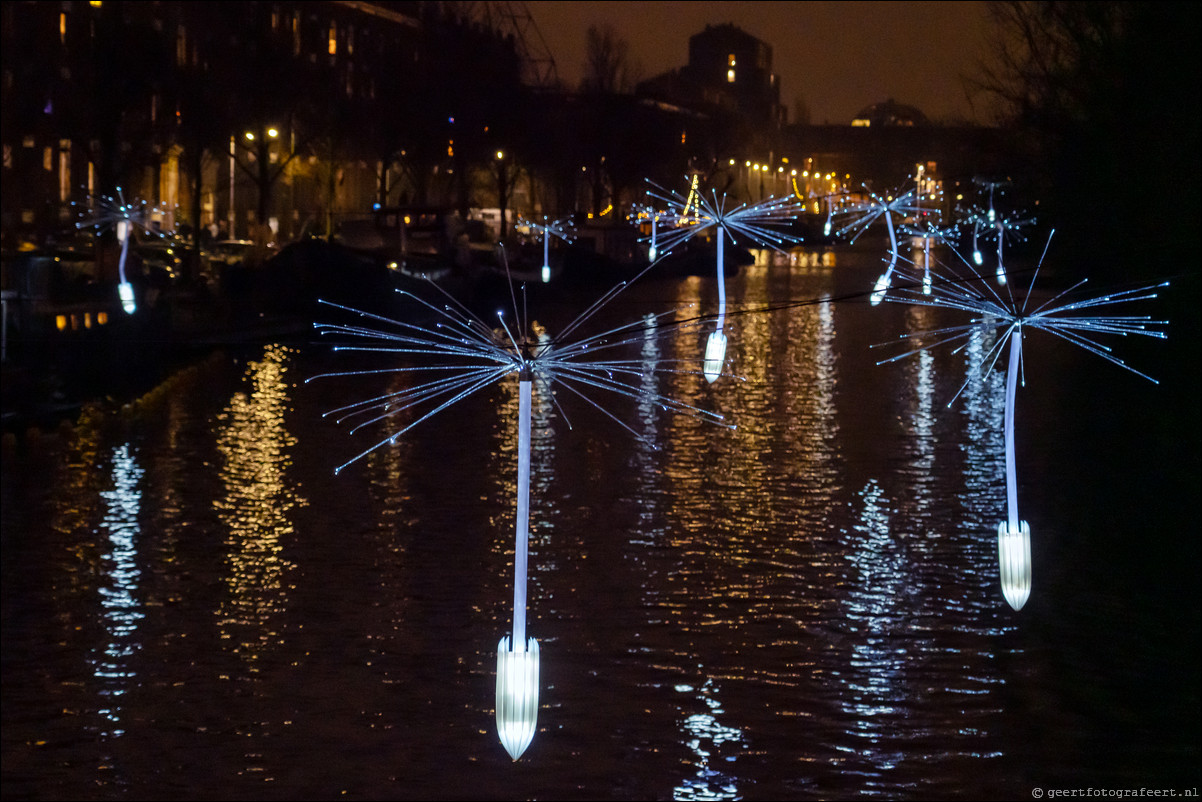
(730, 76)
(500, 154)
(102, 317)
(60, 322)
(87, 320)
(273, 132)
(250, 136)
(715, 356)
(732, 161)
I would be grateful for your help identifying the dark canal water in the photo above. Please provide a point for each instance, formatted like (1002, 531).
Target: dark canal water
(806, 607)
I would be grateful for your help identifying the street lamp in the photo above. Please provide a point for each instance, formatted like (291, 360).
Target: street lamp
(233, 175)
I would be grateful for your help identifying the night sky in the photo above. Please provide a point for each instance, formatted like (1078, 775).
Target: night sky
(839, 56)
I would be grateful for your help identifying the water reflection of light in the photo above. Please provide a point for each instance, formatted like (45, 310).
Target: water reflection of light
(984, 406)
(922, 416)
(118, 598)
(705, 734)
(647, 408)
(256, 444)
(873, 680)
(798, 259)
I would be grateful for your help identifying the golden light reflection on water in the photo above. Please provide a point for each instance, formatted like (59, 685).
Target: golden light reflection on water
(734, 502)
(256, 445)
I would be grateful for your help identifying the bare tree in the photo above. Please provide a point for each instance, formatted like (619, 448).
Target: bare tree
(606, 66)
(1048, 57)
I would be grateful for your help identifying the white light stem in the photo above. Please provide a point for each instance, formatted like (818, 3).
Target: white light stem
(721, 278)
(926, 266)
(1001, 269)
(121, 261)
(523, 522)
(1016, 352)
(893, 242)
(546, 249)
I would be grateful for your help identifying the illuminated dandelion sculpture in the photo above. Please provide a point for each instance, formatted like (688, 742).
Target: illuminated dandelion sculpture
(462, 355)
(986, 219)
(1070, 315)
(115, 214)
(864, 214)
(1008, 227)
(554, 228)
(640, 211)
(929, 232)
(696, 213)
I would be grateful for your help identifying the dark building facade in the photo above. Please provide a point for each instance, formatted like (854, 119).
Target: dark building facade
(239, 112)
(729, 71)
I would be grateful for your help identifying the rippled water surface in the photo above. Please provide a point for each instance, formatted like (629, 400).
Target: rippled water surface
(806, 606)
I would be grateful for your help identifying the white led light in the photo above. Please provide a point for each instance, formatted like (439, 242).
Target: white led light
(125, 291)
(517, 695)
(1014, 562)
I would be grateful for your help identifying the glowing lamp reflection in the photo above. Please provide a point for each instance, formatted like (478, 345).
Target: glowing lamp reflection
(1014, 559)
(517, 695)
(715, 355)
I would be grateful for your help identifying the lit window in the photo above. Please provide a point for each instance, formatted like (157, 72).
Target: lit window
(730, 60)
(333, 39)
(62, 27)
(730, 76)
